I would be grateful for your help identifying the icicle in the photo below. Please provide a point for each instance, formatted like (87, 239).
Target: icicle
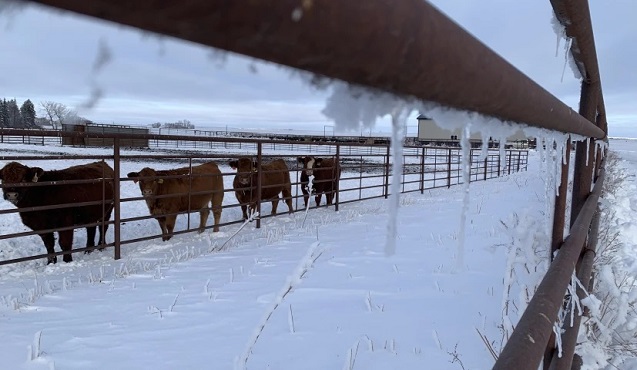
(484, 148)
(567, 46)
(398, 120)
(466, 177)
(503, 154)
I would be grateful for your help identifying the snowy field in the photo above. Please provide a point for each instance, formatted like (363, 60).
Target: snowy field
(319, 294)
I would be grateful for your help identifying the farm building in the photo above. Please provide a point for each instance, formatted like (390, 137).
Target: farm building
(91, 128)
(430, 132)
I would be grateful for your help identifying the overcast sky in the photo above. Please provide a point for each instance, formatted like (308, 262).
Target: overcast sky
(49, 55)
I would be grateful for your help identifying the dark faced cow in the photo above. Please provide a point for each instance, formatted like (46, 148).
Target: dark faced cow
(58, 194)
(326, 172)
(275, 179)
(205, 186)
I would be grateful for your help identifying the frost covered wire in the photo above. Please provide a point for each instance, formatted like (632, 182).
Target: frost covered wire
(251, 217)
(313, 253)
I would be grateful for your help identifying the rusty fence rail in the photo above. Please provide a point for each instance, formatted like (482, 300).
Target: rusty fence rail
(364, 176)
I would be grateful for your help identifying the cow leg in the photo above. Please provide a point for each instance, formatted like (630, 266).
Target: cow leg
(49, 244)
(162, 226)
(203, 219)
(306, 193)
(66, 243)
(275, 205)
(90, 237)
(329, 197)
(244, 210)
(318, 199)
(287, 195)
(103, 231)
(170, 226)
(217, 199)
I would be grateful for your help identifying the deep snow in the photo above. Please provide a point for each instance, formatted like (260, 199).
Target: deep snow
(318, 296)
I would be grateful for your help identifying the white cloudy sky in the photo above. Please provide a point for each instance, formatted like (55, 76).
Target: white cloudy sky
(49, 55)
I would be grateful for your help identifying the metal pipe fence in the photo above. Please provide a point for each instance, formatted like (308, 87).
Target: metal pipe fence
(365, 175)
(414, 51)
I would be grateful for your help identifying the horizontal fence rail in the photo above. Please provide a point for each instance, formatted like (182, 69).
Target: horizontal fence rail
(406, 50)
(365, 175)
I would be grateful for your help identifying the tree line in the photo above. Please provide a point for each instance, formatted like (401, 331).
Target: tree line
(53, 114)
(12, 116)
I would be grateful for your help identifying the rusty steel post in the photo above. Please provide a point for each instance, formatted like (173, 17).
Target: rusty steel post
(448, 167)
(386, 189)
(559, 211)
(259, 175)
(337, 175)
(189, 188)
(116, 199)
(422, 171)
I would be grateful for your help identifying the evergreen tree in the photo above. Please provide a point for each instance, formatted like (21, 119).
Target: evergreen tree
(27, 112)
(14, 113)
(4, 113)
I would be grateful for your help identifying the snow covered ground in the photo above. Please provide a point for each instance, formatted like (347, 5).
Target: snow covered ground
(292, 295)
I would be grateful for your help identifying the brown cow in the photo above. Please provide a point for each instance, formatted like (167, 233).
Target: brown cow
(204, 186)
(53, 194)
(275, 179)
(326, 172)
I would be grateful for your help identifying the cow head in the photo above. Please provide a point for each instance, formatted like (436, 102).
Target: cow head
(309, 163)
(245, 169)
(16, 173)
(147, 186)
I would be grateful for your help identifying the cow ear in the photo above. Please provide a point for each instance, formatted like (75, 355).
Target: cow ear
(160, 181)
(234, 164)
(34, 174)
(134, 176)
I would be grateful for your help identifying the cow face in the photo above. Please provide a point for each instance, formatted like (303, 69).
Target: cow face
(149, 186)
(245, 169)
(16, 173)
(309, 163)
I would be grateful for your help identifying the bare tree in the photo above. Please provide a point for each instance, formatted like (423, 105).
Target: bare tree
(55, 112)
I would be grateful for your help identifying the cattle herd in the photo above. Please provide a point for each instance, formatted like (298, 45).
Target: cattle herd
(61, 200)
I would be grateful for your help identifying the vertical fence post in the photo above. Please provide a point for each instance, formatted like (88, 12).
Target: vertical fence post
(422, 171)
(337, 175)
(499, 164)
(508, 161)
(519, 156)
(387, 173)
(116, 199)
(486, 158)
(259, 175)
(190, 188)
(582, 178)
(471, 165)
(448, 167)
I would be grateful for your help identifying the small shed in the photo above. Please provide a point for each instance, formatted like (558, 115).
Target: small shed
(91, 128)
